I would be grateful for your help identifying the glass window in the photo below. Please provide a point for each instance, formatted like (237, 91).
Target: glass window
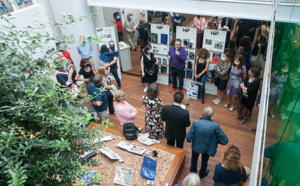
(290, 1)
(282, 144)
(23, 3)
(5, 7)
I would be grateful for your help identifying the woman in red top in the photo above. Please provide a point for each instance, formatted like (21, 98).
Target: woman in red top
(118, 22)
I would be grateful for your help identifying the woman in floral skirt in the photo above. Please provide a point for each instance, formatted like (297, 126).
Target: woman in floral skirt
(153, 104)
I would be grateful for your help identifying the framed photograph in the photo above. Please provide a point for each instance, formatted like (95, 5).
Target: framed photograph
(192, 55)
(159, 60)
(164, 61)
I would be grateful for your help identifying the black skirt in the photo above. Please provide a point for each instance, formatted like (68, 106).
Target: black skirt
(221, 84)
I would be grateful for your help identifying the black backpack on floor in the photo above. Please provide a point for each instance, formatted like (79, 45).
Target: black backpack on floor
(130, 131)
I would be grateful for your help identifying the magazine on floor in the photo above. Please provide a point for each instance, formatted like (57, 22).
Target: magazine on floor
(131, 148)
(123, 176)
(87, 179)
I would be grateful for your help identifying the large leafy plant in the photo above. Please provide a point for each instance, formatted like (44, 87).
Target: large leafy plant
(40, 140)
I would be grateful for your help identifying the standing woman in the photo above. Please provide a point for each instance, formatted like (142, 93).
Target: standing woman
(201, 67)
(223, 68)
(245, 50)
(250, 88)
(148, 67)
(118, 22)
(153, 104)
(237, 75)
(232, 50)
(231, 171)
(86, 70)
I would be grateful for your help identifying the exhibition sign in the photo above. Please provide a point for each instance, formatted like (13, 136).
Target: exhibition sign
(105, 35)
(160, 42)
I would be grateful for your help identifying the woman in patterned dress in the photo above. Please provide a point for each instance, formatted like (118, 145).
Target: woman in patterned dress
(237, 75)
(153, 104)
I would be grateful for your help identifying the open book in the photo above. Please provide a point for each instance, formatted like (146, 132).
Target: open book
(109, 153)
(131, 148)
(123, 176)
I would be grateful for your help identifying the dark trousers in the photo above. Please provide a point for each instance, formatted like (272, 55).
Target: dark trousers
(194, 162)
(180, 73)
(110, 102)
(202, 80)
(115, 73)
(120, 36)
(179, 142)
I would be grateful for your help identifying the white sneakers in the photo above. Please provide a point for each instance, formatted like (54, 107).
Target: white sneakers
(145, 89)
(217, 101)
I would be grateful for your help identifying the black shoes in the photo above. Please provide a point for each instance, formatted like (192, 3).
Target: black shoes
(202, 100)
(204, 174)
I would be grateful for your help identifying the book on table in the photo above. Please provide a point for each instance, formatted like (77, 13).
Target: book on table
(131, 148)
(123, 176)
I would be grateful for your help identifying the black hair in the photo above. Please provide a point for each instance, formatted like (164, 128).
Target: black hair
(103, 49)
(178, 97)
(255, 71)
(116, 13)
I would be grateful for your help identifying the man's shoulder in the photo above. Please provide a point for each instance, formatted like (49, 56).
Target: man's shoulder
(206, 122)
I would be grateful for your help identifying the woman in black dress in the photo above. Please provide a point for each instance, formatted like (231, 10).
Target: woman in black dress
(86, 70)
(149, 67)
(249, 88)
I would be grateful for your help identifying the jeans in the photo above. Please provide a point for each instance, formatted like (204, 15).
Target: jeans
(179, 142)
(110, 102)
(115, 73)
(180, 73)
(194, 162)
(202, 80)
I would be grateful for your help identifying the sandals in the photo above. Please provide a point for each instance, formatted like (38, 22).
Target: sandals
(239, 117)
(226, 105)
(232, 109)
(243, 121)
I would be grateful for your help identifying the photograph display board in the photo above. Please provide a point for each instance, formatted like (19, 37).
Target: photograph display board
(107, 34)
(214, 41)
(188, 37)
(160, 43)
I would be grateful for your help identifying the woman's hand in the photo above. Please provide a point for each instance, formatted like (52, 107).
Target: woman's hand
(218, 69)
(143, 74)
(87, 79)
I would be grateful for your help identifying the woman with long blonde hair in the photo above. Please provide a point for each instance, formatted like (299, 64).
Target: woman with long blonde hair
(231, 172)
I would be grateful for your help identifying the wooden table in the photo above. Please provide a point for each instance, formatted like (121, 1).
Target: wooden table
(177, 164)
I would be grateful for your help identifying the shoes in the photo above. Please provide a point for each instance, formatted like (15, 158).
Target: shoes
(243, 121)
(232, 109)
(145, 89)
(215, 100)
(218, 102)
(205, 174)
(283, 116)
(135, 49)
(271, 115)
(239, 117)
(181, 90)
(173, 89)
(253, 129)
(112, 113)
(226, 105)
(202, 100)
(140, 129)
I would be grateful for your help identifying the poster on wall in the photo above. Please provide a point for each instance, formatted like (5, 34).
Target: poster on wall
(188, 37)
(160, 42)
(105, 35)
(214, 42)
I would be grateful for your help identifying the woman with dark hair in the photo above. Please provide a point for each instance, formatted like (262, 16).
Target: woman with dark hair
(249, 88)
(223, 68)
(201, 67)
(231, 50)
(231, 171)
(245, 50)
(86, 70)
(118, 22)
(143, 36)
(237, 75)
(148, 67)
(153, 104)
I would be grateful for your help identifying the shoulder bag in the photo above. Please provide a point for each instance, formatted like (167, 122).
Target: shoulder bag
(241, 182)
(152, 70)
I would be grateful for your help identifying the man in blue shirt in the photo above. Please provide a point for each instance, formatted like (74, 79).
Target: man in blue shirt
(205, 136)
(99, 100)
(177, 54)
(85, 50)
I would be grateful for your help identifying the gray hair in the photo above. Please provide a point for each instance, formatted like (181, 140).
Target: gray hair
(97, 80)
(178, 40)
(208, 112)
(192, 179)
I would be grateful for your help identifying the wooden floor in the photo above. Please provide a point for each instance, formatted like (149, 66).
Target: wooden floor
(239, 135)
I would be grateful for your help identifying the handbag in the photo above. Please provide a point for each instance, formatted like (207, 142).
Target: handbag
(258, 60)
(150, 71)
(130, 131)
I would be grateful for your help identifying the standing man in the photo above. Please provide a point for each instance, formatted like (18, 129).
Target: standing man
(129, 30)
(177, 119)
(85, 50)
(99, 100)
(177, 54)
(177, 20)
(112, 63)
(205, 136)
(227, 25)
(200, 24)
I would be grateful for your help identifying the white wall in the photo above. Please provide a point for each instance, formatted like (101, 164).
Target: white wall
(99, 20)
(85, 27)
(56, 30)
